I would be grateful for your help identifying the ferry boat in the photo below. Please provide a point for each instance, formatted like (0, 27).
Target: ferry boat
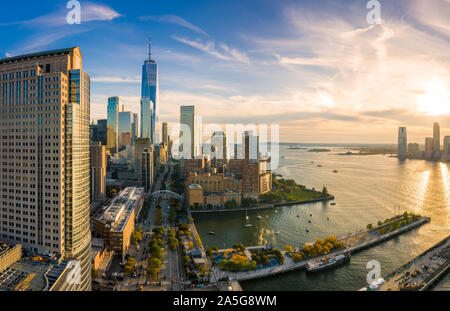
(327, 262)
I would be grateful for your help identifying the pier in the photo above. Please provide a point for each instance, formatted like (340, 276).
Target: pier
(353, 242)
(419, 274)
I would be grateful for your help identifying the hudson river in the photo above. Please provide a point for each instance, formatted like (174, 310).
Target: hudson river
(367, 189)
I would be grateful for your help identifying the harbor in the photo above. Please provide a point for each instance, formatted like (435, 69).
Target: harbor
(353, 243)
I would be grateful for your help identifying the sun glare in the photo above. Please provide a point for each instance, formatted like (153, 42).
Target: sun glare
(435, 100)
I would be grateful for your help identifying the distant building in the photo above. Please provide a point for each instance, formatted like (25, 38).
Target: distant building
(150, 93)
(436, 137)
(196, 165)
(101, 131)
(113, 124)
(125, 139)
(146, 118)
(218, 148)
(165, 134)
(116, 223)
(429, 148)
(147, 169)
(93, 132)
(98, 172)
(251, 146)
(413, 148)
(142, 144)
(191, 140)
(125, 126)
(402, 142)
(135, 128)
(9, 254)
(446, 152)
(195, 195)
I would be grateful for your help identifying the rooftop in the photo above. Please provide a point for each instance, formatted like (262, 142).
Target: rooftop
(39, 54)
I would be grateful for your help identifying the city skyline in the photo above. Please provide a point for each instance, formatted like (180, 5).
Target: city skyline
(200, 64)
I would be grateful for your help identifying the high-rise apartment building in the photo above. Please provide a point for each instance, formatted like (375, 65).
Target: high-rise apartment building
(113, 124)
(402, 147)
(436, 137)
(150, 91)
(447, 147)
(44, 139)
(187, 130)
(165, 134)
(251, 146)
(98, 171)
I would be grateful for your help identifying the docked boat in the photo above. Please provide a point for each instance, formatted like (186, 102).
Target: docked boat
(211, 233)
(333, 203)
(327, 262)
(259, 217)
(335, 171)
(246, 221)
(277, 232)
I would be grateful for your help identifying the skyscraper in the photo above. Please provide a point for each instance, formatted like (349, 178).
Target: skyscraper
(51, 185)
(125, 126)
(251, 146)
(219, 145)
(436, 137)
(146, 118)
(447, 147)
(113, 124)
(165, 134)
(402, 148)
(150, 91)
(135, 128)
(98, 171)
(187, 118)
(102, 130)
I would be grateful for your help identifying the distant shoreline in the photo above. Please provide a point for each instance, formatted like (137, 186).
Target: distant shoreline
(268, 206)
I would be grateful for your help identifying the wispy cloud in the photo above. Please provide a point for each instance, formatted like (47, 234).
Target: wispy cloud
(225, 52)
(176, 20)
(115, 80)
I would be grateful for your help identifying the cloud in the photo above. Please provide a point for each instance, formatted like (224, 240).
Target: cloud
(226, 53)
(89, 12)
(174, 19)
(115, 80)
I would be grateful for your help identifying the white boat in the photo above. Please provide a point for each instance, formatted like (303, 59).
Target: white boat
(327, 262)
(246, 219)
(259, 217)
(277, 232)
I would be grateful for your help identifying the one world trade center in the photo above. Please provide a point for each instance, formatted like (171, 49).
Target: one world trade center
(149, 97)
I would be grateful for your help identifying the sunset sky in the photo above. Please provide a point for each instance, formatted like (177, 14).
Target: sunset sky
(316, 68)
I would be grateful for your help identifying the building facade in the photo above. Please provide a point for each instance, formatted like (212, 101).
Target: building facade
(402, 142)
(98, 172)
(112, 135)
(150, 91)
(48, 95)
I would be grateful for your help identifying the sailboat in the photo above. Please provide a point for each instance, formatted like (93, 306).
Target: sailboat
(212, 231)
(246, 219)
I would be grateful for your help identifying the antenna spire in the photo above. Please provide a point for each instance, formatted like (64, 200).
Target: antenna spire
(150, 48)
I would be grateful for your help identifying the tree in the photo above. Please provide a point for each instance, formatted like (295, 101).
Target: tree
(95, 273)
(369, 226)
(288, 248)
(325, 191)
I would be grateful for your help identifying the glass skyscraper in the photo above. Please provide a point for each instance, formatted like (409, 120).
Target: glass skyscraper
(125, 125)
(150, 91)
(112, 131)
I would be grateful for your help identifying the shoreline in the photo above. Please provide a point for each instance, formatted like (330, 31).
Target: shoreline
(269, 206)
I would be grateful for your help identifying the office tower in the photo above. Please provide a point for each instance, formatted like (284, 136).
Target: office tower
(436, 137)
(402, 142)
(101, 131)
(98, 171)
(413, 148)
(219, 145)
(165, 134)
(146, 118)
(113, 124)
(429, 144)
(251, 146)
(147, 168)
(447, 146)
(125, 139)
(187, 118)
(93, 132)
(125, 121)
(141, 145)
(150, 91)
(49, 96)
(135, 128)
